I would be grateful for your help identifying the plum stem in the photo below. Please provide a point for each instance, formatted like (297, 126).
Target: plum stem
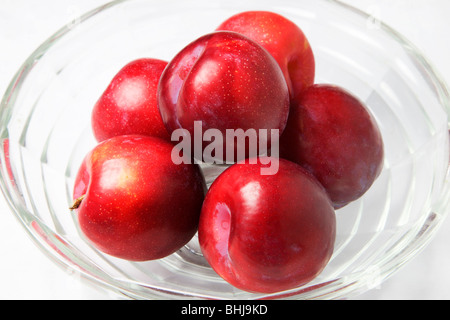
(77, 202)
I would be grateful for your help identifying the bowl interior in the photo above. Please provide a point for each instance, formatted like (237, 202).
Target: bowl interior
(46, 132)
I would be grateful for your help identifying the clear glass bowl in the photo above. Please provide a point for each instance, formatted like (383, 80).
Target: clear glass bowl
(45, 132)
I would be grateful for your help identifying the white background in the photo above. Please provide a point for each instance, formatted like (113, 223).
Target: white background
(26, 273)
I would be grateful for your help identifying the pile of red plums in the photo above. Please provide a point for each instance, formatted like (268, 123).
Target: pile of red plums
(260, 232)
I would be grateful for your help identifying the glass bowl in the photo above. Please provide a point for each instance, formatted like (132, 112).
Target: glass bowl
(45, 132)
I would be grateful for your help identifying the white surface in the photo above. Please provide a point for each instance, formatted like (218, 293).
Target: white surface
(26, 273)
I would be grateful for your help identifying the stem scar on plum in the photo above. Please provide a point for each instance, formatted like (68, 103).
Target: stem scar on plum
(77, 202)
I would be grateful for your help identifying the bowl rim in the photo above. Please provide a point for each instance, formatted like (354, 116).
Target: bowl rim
(58, 253)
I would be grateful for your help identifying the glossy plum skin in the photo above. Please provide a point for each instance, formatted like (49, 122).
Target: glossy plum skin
(226, 81)
(333, 135)
(138, 205)
(128, 105)
(283, 39)
(267, 233)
